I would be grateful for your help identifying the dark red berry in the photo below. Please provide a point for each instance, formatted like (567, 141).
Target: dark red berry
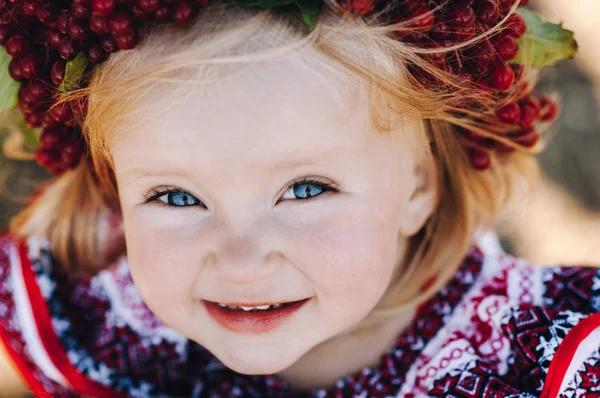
(79, 107)
(53, 37)
(488, 11)
(357, 7)
(77, 29)
(149, 6)
(510, 113)
(47, 157)
(56, 169)
(103, 7)
(29, 7)
(29, 107)
(24, 96)
(472, 136)
(442, 30)
(502, 76)
(464, 33)
(184, 13)
(52, 138)
(62, 113)
(479, 159)
(15, 71)
(120, 24)
(63, 20)
(17, 46)
(48, 121)
(506, 5)
(463, 17)
(98, 24)
(71, 155)
(530, 111)
(480, 57)
(527, 137)
(518, 69)
(109, 44)
(139, 14)
(4, 34)
(484, 85)
(548, 109)
(128, 40)
(31, 66)
(57, 71)
(163, 14)
(81, 11)
(33, 120)
(422, 19)
(507, 47)
(516, 25)
(67, 49)
(47, 13)
(96, 54)
(37, 90)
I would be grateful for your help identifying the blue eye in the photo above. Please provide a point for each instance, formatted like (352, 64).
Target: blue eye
(308, 189)
(179, 199)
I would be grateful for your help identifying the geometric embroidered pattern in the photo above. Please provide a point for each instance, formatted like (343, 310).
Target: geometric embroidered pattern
(480, 336)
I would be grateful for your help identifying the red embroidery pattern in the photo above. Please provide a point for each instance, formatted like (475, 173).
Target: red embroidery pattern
(482, 335)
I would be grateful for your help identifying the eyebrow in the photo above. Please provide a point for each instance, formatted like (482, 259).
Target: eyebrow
(142, 172)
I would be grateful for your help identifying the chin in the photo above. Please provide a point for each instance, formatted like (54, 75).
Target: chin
(249, 361)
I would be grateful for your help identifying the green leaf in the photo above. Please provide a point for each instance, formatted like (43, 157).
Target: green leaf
(9, 88)
(32, 136)
(73, 73)
(309, 9)
(544, 43)
(15, 120)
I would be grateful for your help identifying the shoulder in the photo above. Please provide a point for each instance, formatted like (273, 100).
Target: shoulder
(522, 329)
(557, 287)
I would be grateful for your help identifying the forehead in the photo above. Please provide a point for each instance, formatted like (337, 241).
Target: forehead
(271, 114)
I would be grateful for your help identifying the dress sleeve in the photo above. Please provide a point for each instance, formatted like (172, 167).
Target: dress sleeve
(575, 369)
(526, 331)
(18, 331)
(557, 342)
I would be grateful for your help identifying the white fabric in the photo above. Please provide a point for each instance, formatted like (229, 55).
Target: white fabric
(24, 314)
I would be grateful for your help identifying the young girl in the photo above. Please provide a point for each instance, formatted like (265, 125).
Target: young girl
(303, 192)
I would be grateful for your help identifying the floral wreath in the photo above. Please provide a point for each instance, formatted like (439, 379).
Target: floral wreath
(49, 47)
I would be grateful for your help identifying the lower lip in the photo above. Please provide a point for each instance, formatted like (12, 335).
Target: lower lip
(253, 322)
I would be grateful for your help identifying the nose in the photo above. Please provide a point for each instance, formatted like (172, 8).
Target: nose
(242, 261)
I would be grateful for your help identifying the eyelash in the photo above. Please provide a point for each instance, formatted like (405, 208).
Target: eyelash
(156, 193)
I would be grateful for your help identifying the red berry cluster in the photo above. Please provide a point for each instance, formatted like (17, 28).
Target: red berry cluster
(42, 35)
(483, 66)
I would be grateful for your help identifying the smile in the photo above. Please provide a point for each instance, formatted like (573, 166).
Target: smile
(252, 318)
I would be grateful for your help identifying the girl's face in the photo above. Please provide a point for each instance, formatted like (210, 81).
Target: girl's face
(217, 209)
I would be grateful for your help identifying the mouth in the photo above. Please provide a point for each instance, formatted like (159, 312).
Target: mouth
(252, 318)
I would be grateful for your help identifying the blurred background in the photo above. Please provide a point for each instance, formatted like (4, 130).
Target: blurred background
(558, 223)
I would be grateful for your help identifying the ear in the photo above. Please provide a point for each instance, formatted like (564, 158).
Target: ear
(423, 199)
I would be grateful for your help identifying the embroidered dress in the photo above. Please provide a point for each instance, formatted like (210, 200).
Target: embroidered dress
(499, 328)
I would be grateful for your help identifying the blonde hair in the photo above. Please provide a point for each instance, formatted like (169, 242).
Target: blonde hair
(227, 34)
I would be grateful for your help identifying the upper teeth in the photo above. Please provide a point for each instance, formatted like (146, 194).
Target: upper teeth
(259, 307)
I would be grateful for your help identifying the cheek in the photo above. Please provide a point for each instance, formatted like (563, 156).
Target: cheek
(349, 259)
(162, 265)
